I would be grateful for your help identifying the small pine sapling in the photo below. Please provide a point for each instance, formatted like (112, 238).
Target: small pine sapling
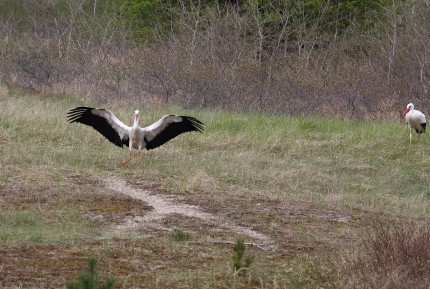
(89, 279)
(238, 258)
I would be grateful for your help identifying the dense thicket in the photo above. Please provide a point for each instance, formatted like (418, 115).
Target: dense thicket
(351, 58)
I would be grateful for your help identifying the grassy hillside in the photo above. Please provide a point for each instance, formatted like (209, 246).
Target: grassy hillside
(369, 165)
(310, 184)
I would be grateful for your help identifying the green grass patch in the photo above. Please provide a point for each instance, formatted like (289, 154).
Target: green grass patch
(23, 227)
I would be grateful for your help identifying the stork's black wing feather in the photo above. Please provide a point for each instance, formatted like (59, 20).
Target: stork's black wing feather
(101, 120)
(173, 129)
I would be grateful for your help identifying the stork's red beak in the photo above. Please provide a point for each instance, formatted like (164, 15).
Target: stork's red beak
(405, 112)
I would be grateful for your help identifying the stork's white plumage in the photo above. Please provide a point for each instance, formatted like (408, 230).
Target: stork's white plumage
(415, 119)
(150, 137)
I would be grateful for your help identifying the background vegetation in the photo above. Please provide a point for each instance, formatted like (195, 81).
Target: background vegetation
(361, 59)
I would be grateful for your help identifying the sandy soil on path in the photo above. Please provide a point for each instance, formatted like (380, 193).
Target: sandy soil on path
(163, 206)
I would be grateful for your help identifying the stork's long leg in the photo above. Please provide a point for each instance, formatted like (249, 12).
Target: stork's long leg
(129, 159)
(138, 157)
(410, 135)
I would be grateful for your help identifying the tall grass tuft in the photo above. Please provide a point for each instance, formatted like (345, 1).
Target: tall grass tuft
(180, 236)
(392, 256)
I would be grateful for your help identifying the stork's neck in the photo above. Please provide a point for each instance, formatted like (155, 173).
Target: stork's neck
(136, 121)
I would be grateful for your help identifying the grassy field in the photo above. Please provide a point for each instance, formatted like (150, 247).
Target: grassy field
(310, 185)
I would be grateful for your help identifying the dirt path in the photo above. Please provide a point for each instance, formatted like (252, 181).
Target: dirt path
(164, 206)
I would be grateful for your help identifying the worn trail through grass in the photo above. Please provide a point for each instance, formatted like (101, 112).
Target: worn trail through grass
(163, 206)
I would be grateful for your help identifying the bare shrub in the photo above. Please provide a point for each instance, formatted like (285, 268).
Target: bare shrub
(392, 256)
(35, 70)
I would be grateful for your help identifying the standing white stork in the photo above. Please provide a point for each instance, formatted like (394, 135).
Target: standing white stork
(415, 120)
(150, 137)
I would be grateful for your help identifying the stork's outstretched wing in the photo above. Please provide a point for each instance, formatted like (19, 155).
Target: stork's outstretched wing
(168, 127)
(104, 121)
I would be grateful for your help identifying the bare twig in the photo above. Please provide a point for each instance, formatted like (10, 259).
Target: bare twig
(259, 246)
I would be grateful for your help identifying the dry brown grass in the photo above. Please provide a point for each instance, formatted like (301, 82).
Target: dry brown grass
(391, 256)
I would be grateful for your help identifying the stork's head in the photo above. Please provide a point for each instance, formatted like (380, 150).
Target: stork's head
(409, 108)
(136, 118)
